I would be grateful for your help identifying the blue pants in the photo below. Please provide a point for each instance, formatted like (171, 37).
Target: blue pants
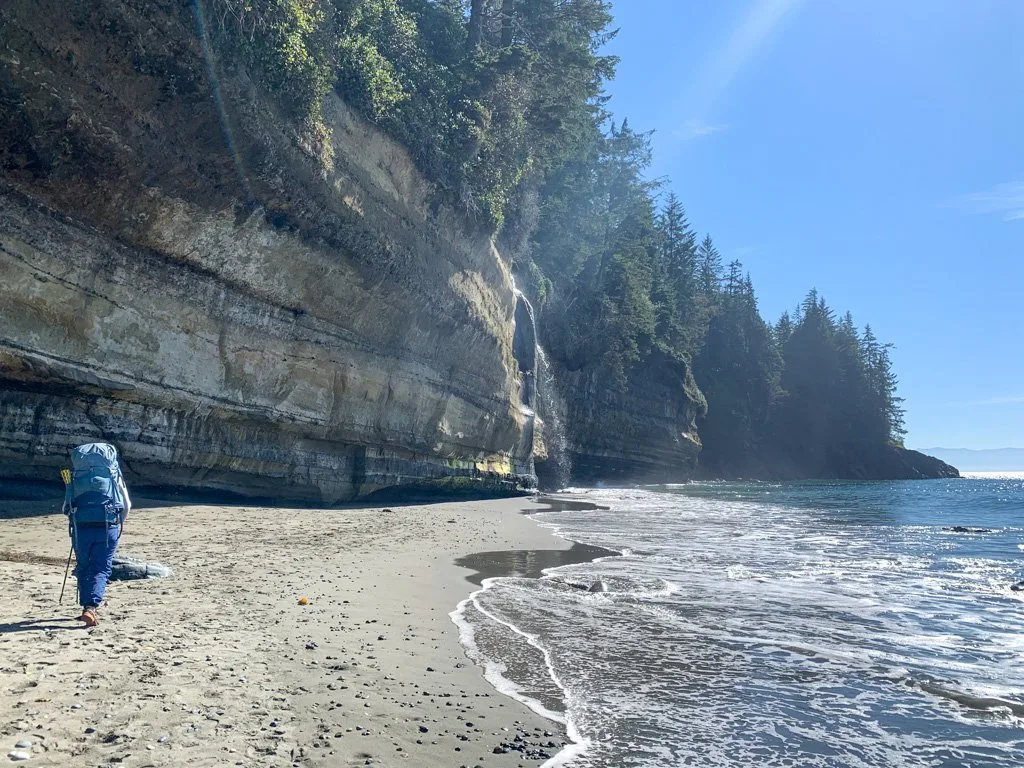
(94, 553)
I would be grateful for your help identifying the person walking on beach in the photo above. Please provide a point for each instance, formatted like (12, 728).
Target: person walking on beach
(97, 504)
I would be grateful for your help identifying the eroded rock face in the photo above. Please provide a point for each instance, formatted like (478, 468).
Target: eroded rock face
(257, 315)
(645, 432)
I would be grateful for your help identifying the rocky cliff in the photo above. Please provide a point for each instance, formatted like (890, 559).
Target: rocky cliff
(643, 432)
(236, 306)
(897, 463)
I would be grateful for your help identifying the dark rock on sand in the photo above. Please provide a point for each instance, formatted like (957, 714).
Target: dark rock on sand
(127, 568)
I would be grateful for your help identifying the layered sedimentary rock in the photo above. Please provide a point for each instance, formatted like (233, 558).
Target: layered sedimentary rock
(642, 432)
(236, 307)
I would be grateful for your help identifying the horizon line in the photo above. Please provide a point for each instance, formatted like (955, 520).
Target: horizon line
(942, 448)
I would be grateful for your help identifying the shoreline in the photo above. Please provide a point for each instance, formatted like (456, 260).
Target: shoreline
(220, 665)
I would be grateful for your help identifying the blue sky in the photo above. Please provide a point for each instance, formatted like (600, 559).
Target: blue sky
(873, 149)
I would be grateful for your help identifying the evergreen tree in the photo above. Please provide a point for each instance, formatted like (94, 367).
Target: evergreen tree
(508, 20)
(601, 245)
(882, 383)
(476, 22)
(801, 427)
(734, 279)
(710, 261)
(737, 370)
(782, 331)
(675, 286)
(849, 432)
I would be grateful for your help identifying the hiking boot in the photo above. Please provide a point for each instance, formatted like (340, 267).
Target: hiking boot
(89, 617)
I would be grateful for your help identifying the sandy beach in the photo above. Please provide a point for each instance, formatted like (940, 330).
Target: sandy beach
(220, 665)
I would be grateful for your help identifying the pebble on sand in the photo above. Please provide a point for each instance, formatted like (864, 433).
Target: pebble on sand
(18, 755)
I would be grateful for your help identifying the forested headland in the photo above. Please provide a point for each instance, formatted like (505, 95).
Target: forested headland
(502, 106)
(380, 147)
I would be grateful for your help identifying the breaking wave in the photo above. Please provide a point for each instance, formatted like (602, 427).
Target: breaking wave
(746, 624)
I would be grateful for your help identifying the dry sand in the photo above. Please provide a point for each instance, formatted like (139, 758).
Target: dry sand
(221, 666)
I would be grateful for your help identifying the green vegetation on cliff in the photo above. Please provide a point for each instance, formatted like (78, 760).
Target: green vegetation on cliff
(500, 103)
(483, 119)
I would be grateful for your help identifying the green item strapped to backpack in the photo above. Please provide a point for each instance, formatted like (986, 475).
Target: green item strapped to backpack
(94, 496)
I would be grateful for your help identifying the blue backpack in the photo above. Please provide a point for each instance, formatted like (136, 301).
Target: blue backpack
(93, 497)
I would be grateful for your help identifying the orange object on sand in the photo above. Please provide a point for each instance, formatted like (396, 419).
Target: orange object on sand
(303, 601)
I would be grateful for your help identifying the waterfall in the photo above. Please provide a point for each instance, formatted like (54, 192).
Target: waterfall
(540, 396)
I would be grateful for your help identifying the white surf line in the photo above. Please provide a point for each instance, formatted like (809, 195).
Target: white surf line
(625, 553)
(492, 671)
(507, 687)
(558, 531)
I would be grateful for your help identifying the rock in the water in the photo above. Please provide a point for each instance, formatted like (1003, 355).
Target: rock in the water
(595, 586)
(966, 529)
(1018, 587)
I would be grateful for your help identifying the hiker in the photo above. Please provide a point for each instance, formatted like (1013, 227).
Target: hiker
(97, 505)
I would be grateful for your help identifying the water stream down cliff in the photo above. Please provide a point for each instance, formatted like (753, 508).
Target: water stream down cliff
(541, 401)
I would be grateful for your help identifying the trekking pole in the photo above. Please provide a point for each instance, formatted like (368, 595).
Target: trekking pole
(67, 568)
(65, 475)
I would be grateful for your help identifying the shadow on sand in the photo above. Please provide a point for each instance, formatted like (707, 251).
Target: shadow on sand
(40, 625)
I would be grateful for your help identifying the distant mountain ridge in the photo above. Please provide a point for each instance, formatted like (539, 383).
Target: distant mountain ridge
(985, 460)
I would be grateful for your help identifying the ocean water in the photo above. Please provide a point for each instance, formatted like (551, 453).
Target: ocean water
(756, 624)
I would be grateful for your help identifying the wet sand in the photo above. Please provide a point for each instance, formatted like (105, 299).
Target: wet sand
(220, 665)
(527, 563)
